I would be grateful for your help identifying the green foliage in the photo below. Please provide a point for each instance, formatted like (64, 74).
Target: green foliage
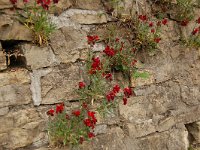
(36, 19)
(143, 75)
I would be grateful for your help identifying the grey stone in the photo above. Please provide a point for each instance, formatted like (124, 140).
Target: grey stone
(194, 130)
(14, 95)
(60, 84)
(13, 30)
(67, 42)
(39, 57)
(4, 111)
(36, 84)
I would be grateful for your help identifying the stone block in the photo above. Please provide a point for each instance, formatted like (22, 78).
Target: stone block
(39, 57)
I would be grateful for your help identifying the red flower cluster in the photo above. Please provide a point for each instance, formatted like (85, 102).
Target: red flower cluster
(109, 51)
(157, 40)
(91, 135)
(76, 113)
(96, 65)
(142, 17)
(92, 39)
(81, 85)
(184, 23)
(128, 92)
(198, 20)
(108, 76)
(13, 1)
(164, 21)
(111, 95)
(195, 31)
(91, 120)
(50, 112)
(59, 108)
(46, 3)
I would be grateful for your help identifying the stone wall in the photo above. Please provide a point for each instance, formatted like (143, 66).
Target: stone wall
(164, 115)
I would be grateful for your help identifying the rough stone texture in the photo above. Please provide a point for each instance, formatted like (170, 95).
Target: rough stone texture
(89, 4)
(4, 111)
(36, 84)
(67, 42)
(194, 130)
(14, 88)
(12, 30)
(154, 119)
(60, 84)
(5, 4)
(2, 60)
(34, 55)
(22, 127)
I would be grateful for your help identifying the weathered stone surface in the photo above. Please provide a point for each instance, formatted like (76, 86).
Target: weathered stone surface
(2, 60)
(194, 130)
(67, 42)
(4, 111)
(35, 87)
(14, 95)
(13, 30)
(85, 16)
(89, 4)
(60, 84)
(20, 76)
(112, 140)
(5, 4)
(38, 57)
(14, 88)
(174, 139)
(23, 127)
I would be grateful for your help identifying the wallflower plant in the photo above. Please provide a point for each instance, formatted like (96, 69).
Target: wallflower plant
(35, 17)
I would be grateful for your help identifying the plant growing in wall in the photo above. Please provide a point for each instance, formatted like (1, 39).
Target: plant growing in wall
(35, 17)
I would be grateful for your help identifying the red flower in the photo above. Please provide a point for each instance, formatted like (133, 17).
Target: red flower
(142, 17)
(84, 105)
(44, 3)
(67, 116)
(164, 21)
(158, 23)
(25, 1)
(125, 100)
(13, 1)
(128, 92)
(96, 65)
(59, 108)
(196, 30)
(81, 85)
(184, 23)
(108, 76)
(116, 89)
(157, 40)
(91, 114)
(198, 20)
(92, 39)
(110, 96)
(76, 113)
(151, 24)
(91, 135)
(55, 1)
(88, 122)
(50, 112)
(109, 51)
(153, 31)
(117, 40)
(81, 140)
(134, 62)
